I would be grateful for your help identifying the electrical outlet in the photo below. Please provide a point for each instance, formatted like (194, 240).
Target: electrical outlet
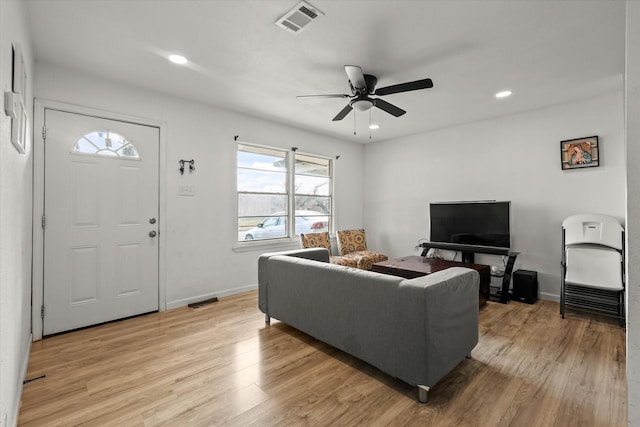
(186, 190)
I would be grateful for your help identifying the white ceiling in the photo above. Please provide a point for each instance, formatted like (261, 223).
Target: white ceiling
(547, 52)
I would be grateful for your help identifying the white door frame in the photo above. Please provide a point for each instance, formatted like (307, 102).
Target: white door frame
(37, 285)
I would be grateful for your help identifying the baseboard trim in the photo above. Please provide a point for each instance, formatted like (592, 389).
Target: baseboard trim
(549, 297)
(225, 293)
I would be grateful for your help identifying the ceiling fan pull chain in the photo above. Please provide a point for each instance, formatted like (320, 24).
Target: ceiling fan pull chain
(369, 123)
(354, 122)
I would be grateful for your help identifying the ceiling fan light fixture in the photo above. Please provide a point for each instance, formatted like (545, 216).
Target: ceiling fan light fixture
(362, 104)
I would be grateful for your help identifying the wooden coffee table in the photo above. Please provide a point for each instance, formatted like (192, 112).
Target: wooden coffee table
(413, 266)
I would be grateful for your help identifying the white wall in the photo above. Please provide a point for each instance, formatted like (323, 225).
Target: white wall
(201, 230)
(15, 223)
(632, 91)
(514, 158)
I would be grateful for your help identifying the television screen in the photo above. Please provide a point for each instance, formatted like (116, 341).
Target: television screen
(483, 223)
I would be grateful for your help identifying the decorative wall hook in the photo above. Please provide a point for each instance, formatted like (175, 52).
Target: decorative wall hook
(191, 166)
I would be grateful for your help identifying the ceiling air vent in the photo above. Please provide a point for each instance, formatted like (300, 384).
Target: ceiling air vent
(299, 17)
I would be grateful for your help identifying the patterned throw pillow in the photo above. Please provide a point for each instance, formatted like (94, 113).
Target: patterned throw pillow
(365, 259)
(345, 261)
(352, 241)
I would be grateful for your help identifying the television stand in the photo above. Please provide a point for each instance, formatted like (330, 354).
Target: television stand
(468, 255)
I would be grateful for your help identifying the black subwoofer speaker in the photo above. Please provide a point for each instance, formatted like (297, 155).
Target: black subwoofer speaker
(525, 286)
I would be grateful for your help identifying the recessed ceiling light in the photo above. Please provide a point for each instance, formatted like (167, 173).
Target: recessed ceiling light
(503, 94)
(374, 127)
(178, 59)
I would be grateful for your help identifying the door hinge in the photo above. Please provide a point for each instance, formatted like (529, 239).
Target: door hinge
(42, 311)
(44, 221)
(44, 132)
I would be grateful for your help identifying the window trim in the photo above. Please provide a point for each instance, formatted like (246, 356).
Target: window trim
(291, 241)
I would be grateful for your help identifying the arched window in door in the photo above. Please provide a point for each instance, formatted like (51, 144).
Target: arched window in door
(105, 143)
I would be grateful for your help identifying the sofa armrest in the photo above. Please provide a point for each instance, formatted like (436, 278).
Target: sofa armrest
(316, 254)
(438, 325)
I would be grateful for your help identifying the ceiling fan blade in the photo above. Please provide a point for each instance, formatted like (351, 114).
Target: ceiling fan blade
(405, 87)
(389, 108)
(342, 114)
(356, 77)
(336, 95)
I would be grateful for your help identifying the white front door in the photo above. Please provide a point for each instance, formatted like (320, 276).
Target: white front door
(101, 220)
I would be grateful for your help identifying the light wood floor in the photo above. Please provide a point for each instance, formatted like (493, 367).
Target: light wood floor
(221, 365)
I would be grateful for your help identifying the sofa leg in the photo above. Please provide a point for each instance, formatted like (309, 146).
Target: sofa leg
(267, 319)
(468, 356)
(423, 393)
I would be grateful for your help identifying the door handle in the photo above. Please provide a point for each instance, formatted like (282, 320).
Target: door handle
(152, 233)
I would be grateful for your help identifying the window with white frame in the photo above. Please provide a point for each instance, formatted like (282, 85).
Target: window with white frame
(105, 143)
(278, 188)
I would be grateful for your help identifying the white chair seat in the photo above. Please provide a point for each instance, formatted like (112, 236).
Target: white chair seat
(594, 267)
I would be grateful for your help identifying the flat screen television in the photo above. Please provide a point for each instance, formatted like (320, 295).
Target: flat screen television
(481, 223)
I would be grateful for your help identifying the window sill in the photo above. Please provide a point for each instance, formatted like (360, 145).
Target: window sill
(267, 245)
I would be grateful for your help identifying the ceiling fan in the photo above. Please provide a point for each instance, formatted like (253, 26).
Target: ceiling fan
(362, 85)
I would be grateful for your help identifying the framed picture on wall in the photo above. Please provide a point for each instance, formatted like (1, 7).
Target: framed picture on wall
(15, 101)
(580, 153)
(20, 126)
(19, 84)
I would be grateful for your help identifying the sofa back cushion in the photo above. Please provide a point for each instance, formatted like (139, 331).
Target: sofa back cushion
(336, 305)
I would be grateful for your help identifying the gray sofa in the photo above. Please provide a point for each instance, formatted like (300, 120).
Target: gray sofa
(417, 330)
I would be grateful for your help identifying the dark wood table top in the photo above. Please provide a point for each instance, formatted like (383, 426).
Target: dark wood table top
(422, 266)
(413, 266)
